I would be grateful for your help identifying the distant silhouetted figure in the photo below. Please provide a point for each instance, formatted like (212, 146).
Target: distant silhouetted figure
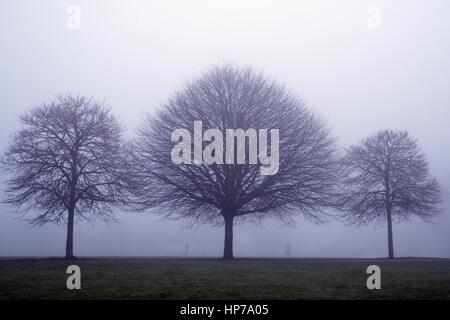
(387, 179)
(229, 97)
(65, 162)
(288, 249)
(186, 249)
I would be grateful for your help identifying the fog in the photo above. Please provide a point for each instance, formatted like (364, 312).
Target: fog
(360, 75)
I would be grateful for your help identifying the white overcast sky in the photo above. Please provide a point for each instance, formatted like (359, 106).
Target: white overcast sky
(133, 54)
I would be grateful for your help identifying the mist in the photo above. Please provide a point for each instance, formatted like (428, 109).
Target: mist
(134, 54)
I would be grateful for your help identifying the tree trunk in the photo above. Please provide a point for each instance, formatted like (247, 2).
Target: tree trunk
(228, 245)
(69, 242)
(390, 239)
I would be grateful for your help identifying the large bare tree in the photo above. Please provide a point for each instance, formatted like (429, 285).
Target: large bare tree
(387, 178)
(229, 97)
(65, 162)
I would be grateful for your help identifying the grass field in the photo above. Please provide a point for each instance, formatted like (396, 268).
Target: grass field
(192, 278)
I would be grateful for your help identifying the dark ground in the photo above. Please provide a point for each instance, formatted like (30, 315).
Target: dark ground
(198, 278)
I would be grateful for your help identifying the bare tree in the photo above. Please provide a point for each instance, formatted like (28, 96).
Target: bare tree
(228, 97)
(387, 178)
(65, 162)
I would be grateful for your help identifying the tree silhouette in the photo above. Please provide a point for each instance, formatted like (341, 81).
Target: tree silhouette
(387, 178)
(66, 161)
(238, 98)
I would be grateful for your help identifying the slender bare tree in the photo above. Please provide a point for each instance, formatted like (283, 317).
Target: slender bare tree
(387, 178)
(229, 97)
(65, 162)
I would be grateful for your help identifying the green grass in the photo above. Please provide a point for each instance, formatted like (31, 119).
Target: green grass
(191, 278)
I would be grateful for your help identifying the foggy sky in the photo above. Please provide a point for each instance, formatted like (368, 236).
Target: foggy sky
(134, 54)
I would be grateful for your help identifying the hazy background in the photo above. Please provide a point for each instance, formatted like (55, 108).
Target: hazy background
(133, 54)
